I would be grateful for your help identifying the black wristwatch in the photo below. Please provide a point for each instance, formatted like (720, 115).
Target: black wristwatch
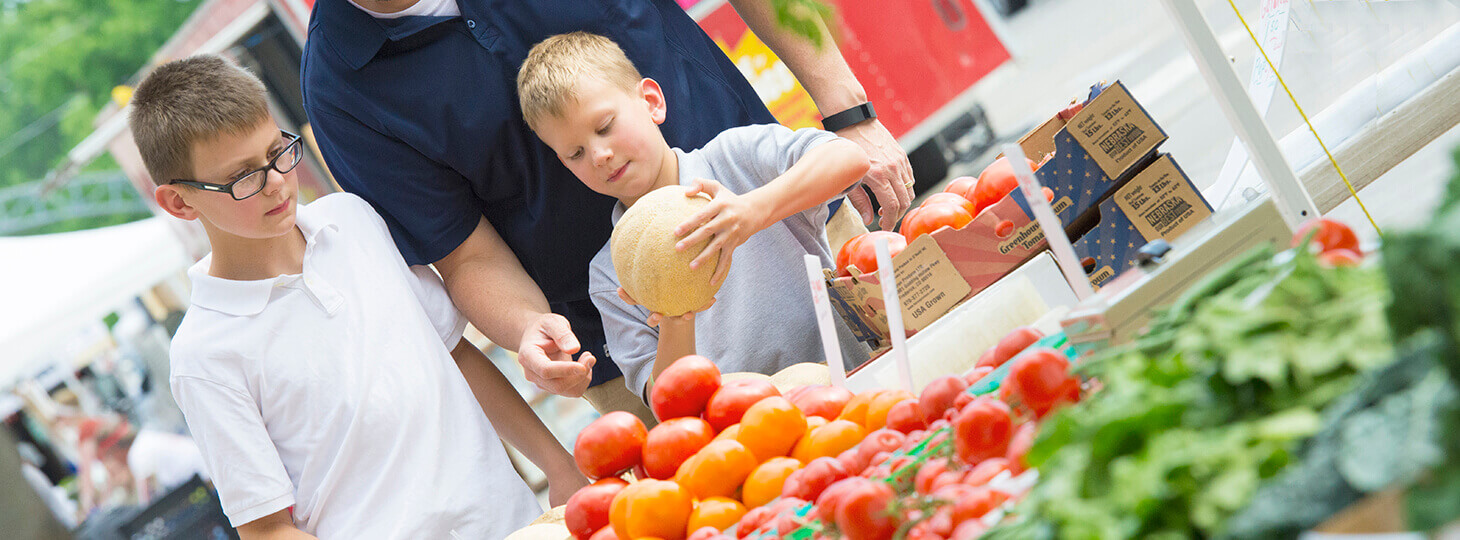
(849, 117)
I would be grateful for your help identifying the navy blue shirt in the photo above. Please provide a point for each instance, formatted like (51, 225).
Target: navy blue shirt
(419, 116)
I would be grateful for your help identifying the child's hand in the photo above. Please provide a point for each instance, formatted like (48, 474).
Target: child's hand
(728, 221)
(655, 319)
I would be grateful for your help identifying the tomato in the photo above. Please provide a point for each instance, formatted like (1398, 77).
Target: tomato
(767, 480)
(1019, 446)
(882, 440)
(1328, 234)
(926, 219)
(830, 497)
(1015, 342)
(808, 482)
(941, 523)
(953, 199)
(982, 430)
(752, 520)
(824, 401)
(862, 512)
(856, 409)
(938, 396)
(605, 533)
(1040, 380)
(653, 508)
(977, 374)
(923, 480)
(771, 427)
(729, 403)
(878, 409)
(996, 181)
(587, 509)
(906, 417)
(684, 388)
(715, 513)
(673, 441)
(985, 471)
(963, 187)
(610, 445)
(865, 255)
(900, 470)
(812, 422)
(852, 460)
(1340, 257)
(829, 440)
(976, 503)
(844, 255)
(730, 433)
(717, 470)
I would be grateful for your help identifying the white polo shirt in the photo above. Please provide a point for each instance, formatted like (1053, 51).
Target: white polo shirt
(334, 391)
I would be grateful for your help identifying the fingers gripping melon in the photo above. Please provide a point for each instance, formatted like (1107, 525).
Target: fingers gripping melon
(649, 269)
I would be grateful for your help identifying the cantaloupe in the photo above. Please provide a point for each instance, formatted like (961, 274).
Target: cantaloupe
(649, 269)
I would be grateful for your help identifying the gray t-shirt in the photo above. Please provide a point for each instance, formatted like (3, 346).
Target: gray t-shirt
(763, 319)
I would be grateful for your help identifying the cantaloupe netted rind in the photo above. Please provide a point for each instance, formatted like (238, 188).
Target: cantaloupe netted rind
(649, 269)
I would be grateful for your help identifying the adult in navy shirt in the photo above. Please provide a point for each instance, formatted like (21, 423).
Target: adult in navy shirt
(414, 107)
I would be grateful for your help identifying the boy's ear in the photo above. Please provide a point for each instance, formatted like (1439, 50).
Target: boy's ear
(170, 199)
(654, 98)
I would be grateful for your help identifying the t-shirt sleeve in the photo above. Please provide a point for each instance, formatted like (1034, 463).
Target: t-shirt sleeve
(631, 343)
(448, 321)
(241, 458)
(429, 208)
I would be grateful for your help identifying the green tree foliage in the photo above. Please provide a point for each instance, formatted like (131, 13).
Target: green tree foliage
(59, 60)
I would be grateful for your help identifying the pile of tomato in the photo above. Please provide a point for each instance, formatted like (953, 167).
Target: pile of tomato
(739, 459)
(955, 207)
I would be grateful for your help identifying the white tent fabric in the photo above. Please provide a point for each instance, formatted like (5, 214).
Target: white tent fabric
(51, 285)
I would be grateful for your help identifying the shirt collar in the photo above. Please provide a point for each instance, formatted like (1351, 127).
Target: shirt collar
(248, 298)
(356, 35)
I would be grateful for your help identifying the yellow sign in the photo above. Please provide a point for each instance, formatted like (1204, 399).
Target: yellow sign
(773, 82)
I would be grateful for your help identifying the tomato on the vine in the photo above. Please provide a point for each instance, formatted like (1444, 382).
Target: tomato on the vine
(1040, 379)
(808, 482)
(862, 511)
(982, 430)
(938, 396)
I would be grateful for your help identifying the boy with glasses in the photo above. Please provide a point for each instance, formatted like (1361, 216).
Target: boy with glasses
(324, 380)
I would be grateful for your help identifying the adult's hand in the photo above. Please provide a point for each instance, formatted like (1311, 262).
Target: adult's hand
(890, 179)
(546, 354)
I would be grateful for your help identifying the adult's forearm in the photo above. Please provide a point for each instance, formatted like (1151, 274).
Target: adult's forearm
(488, 284)
(511, 416)
(821, 70)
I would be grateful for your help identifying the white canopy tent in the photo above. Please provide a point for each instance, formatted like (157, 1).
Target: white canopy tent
(51, 285)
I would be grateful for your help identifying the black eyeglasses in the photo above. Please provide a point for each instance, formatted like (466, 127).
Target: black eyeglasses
(253, 182)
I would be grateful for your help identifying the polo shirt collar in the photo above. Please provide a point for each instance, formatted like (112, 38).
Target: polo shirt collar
(352, 33)
(248, 298)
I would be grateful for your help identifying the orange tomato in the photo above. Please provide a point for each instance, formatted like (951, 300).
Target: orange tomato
(926, 219)
(651, 508)
(962, 187)
(951, 198)
(771, 427)
(856, 408)
(865, 255)
(877, 409)
(729, 433)
(813, 422)
(765, 482)
(844, 255)
(717, 470)
(828, 441)
(717, 512)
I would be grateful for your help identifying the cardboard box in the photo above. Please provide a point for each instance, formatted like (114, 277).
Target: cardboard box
(1094, 152)
(1158, 203)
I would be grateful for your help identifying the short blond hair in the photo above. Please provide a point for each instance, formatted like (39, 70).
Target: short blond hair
(549, 77)
(190, 100)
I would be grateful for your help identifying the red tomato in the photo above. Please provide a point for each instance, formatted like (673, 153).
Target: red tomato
(985, 471)
(1019, 446)
(684, 388)
(1040, 380)
(953, 199)
(605, 533)
(938, 396)
(862, 512)
(865, 256)
(811, 480)
(1340, 257)
(610, 445)
(982, 430)
(753, 519)
(852, 460)
(960, 402)
(587, 510)
(963, 187)
(906, 417)
(844, 255)
(824, 401)
(672, 442)
(976, 503)
(730, 402)
(1014, 342)
(926, 219)
(923, 480)
(941, 524)
(830, 497)
(978, 373)
(1329, 235)
(996, 181)
(882, 440)
(703, 533)
(968, 530)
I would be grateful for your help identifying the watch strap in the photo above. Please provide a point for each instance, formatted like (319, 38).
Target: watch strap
(849, 117)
